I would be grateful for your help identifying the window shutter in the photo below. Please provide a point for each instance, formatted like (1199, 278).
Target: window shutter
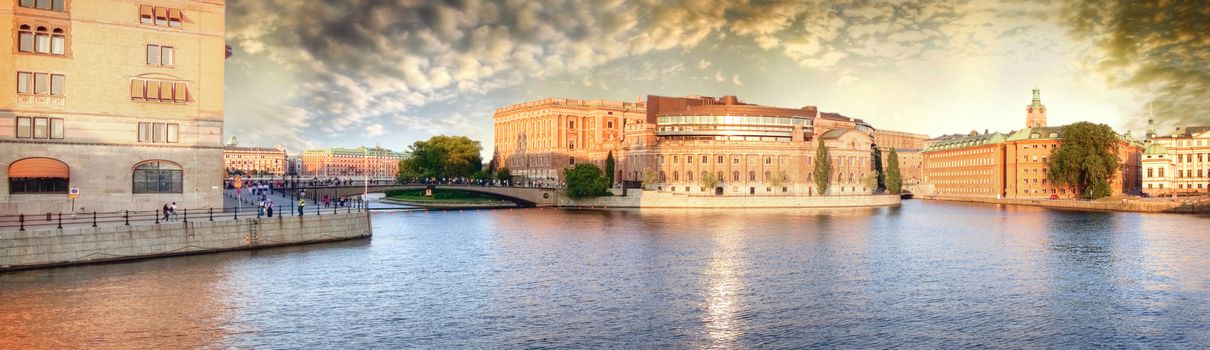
(161, 12)
(153, 90)
(136, 89)
(182, 90)
(166, 91)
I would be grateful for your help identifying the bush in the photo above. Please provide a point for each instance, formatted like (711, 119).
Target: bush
(586, 180)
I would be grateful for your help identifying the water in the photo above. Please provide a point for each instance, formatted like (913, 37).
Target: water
(927, 274)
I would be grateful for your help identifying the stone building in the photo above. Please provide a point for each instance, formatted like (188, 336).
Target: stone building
(1179, 162)
(536, 140)
(261, 161)
(122, 100)
(746, 149)
(351, 163)
(1015, 165)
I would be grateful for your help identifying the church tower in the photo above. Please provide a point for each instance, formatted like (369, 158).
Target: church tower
(1035, 113)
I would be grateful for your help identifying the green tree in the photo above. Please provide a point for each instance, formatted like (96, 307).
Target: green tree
(894, 180)
(709, 181)
(649, 179)
(870, 181)
(1087, 159)
(504, 175)
(585, 180)
(483, 174)
(610, 167)
(442, 157)
(777, 179)
(823, 168)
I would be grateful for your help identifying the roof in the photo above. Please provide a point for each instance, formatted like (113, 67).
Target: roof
(1040, 133)
(1155, 148)
(835, 133)
(966, 141)
(252, 149)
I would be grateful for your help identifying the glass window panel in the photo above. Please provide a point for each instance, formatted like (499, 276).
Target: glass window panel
(153, 54)
(44, 4)
(24, 127)
(57, 44)
(167, 58)
(41, 83)
(40, 128)
(24, 83)
(59, 5)
(157, 132)
(56, 128)
(173, 130)
(27, 42)
(27, 3)
(144, 132)
(58, 84)
(42, 43)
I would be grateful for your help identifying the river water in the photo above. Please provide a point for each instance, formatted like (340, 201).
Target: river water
(926, 274)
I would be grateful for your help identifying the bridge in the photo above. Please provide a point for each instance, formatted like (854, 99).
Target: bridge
(524, 196)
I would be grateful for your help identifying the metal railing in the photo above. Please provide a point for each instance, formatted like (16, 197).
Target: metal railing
(22, 222)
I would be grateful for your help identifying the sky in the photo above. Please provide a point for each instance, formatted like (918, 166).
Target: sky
(318, 73)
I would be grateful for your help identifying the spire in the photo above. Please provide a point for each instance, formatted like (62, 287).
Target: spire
(1150, 120)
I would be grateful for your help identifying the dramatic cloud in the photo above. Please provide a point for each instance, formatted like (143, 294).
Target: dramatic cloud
(337, 72)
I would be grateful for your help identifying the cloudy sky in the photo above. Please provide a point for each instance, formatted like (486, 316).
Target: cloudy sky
(319, 73)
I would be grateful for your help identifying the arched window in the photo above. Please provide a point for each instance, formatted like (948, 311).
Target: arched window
(751, 175)
(157, 176)
(734, 176)
(57, 42)
(42, 40)
(688, 176)
(38, 175)
(663, 178)
(25, 38)
(720, 177)
(676, 175)
(766, 176)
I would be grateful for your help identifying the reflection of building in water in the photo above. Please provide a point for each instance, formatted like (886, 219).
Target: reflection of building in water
(166, 304)
(1179, 162)
(692, 145)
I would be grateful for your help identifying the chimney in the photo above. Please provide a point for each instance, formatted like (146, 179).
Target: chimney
(730, 100)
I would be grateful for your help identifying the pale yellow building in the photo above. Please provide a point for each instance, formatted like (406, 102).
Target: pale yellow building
(256, 161)
(120, 99)
(1179, 162)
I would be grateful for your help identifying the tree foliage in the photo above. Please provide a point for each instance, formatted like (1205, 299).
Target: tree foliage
(777, 179)
(1086, 161)
(649, 179)
(610, 167)
(442, 157)
(709, 180)
(823, 168)
(585, 180)
(503, 174)
(894, 179)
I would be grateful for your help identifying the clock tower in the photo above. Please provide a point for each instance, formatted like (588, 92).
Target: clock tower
(1035, 113)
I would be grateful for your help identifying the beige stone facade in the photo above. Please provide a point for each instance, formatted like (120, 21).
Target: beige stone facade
(536, 140)
(1178, 163)
(262, 161)
(120, 99)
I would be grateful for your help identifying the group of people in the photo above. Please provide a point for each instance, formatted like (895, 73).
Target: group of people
(264, 206)
(169, 211)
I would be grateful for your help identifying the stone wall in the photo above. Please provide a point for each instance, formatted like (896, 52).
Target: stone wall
(1135, 205)
(653, 199)
(41, 248)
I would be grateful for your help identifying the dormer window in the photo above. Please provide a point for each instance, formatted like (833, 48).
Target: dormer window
(160, 16)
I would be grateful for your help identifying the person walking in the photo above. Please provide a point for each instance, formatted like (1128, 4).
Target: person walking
(269, 208)
(165, 209)
(302, 202)
(172, 209)
(260, 207)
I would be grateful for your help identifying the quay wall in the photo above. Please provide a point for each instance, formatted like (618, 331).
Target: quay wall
(636, 198)
(1131, 205)
(69, 246)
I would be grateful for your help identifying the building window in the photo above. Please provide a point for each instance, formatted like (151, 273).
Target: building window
(38, 175)
(735, 176)
(53, 5)
(160, 16)
(159, 132)
(157, 177)
(158, 55)
(160, 91)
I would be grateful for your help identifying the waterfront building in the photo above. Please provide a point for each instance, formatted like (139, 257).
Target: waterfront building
(122, 100)
(262, 161)
(885, 139)
(747, 149)
(1178, 162)
(1014, 165)
(536, 140)
(355, 163)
